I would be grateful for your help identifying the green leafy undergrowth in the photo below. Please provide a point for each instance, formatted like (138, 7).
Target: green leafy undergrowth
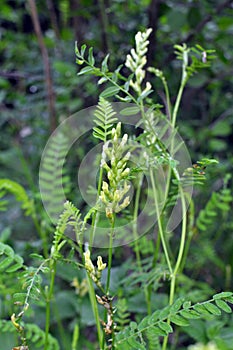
(35, 336)
(136, 336)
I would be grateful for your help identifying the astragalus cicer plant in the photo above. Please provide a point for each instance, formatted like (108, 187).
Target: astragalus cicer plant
(143, 203)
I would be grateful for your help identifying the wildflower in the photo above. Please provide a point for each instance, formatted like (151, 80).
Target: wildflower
(113, 193)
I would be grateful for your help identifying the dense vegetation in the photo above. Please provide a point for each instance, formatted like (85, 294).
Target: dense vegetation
(170, 288)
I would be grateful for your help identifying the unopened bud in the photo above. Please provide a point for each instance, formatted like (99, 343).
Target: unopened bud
(101, 266)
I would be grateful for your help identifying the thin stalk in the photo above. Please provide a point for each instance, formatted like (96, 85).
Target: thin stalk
(109, 273)
(136, 238)
(179, 258)
(75, 337)
(96, 214)
(168, 100)
(183, 232)
(93, 301)
(95, 309)
(190, 232)
(135, 231)
(48, 303)
(110, 254)
(175, 112)
(61, 330)
(181, 89)
(161, 233)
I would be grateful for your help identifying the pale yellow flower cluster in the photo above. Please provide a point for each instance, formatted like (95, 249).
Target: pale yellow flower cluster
(94, 273)
(113, 193)
(136, 62)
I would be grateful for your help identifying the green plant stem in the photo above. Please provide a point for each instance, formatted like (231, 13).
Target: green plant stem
(95, 310)
(135, 231)
(190, 233)
(181, 89)
(175, 112)
(62, 331)
(179, 258)
(96, 214)
(183, 232)
(109, 270)
(110, 253)
(168, 100)
(48, 302)
(161, 233)
(147, 290)
(75, 337)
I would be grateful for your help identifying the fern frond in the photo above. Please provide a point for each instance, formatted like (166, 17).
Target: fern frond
(105, 119)
(70, 216)
(54, 180)
(31, 282)
(179, 313)
(153, 340)
(33, 334)
(147, 276)
(9, 261)
(122, 317)
(20, 194)
(219, 202)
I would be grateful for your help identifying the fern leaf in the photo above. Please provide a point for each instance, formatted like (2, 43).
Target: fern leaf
(70, 216)
(153, 340)
(54, 181)
(219, 202)
(9, 261)
(155, 324)
(104, 121)
(122, 317)
(18, 191)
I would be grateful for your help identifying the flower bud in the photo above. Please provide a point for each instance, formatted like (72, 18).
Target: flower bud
(88, 263)
(101, 266)
(105, 187)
